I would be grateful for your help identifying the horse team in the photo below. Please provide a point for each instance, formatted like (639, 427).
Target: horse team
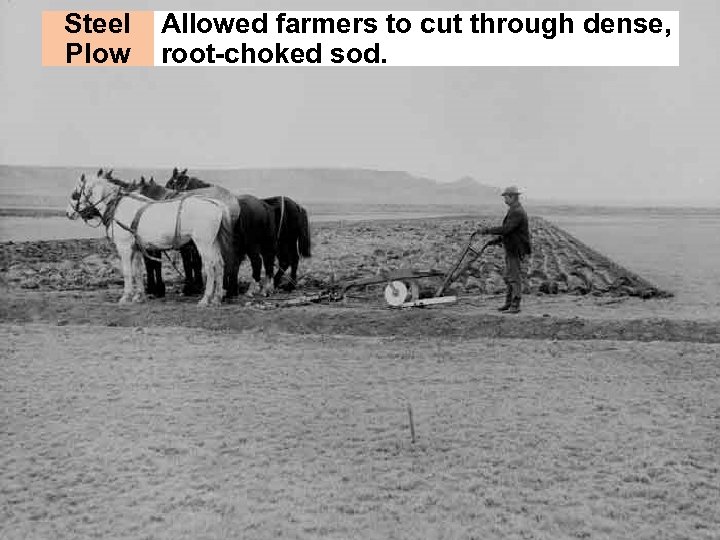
(213, 229)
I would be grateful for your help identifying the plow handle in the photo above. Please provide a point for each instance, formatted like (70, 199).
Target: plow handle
(461, 265)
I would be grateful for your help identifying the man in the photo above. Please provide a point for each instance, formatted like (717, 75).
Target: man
(515, 237)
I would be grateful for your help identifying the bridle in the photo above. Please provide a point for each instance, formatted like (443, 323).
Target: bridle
(178, 182)
(90, 209)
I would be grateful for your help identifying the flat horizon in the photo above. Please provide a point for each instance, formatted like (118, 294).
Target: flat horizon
(537, 201)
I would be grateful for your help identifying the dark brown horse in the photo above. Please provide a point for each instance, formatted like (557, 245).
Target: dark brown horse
(292, 237)
(254, 234)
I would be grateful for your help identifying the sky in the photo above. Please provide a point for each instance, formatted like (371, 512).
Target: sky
(585, 134)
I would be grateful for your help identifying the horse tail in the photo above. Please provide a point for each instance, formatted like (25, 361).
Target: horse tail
(226, 235)
(304, 238)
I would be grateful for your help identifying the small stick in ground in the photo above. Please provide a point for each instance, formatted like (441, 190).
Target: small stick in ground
(412, 424)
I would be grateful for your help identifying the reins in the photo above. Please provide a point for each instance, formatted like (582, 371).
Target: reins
(88, 213)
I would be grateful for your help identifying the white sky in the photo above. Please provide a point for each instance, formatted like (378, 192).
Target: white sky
(576, 133)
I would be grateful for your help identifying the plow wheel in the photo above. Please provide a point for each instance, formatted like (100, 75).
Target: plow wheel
(399, 292)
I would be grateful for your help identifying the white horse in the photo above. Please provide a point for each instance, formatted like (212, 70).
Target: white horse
(137, 223)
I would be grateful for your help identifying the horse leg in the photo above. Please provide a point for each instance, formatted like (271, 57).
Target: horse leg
(230, 277)
(213, 266)
(237, 248)
(150, 286)
(138, 294)
(282, 266)
(240, 258)
(256, 263)
(155, 285)
(126, 252)
(159, 283)
(187, 270)
(268, 257)
(294, 263)
(209, 267)
(219, 276)
(159, 291)
(285, 261)
(192, 266)
(196, 263)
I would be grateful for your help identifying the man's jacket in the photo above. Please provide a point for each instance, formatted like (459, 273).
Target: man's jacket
(514, 231)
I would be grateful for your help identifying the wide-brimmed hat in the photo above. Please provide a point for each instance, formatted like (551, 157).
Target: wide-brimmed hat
(511, 190)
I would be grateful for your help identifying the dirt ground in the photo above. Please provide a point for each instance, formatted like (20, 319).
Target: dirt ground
(543, 317)
(177, 433)
(594, 413)
(560, 264)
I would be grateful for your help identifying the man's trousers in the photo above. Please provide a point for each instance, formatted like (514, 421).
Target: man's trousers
(515, 275)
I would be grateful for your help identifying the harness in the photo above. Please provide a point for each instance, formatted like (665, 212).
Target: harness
(132, 229)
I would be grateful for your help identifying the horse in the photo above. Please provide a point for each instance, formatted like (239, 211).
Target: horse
(232, 261)
(154, 285)
(292, 238)
(137, 222)
(254, 233)
(192, 265)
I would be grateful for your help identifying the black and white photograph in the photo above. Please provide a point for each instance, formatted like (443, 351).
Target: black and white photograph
(356, 300)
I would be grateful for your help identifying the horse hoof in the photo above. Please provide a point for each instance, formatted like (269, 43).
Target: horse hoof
(269, 290)
(139, 298)
(124, 300)
(203, 302)
(253, 289)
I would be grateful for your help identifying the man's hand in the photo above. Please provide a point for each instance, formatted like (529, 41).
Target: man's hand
(495, 241)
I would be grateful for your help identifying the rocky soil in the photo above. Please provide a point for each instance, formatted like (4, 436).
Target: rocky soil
(560, 263)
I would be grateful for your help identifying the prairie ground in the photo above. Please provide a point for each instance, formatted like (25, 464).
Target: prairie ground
(187, 434)
(560, 264)
(593, 414)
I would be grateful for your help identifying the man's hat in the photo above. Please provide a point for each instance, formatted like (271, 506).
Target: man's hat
(511, 190)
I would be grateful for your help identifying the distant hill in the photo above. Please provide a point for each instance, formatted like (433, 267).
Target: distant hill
(50, 186)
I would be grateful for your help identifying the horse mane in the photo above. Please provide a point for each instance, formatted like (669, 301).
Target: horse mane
(108, 175)
(148, 188)
(196, 183)
(181, 180)
(154, 190)
(130, 186)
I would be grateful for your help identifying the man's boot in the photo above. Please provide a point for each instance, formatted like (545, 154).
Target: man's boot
(514, 306)
(508, 302)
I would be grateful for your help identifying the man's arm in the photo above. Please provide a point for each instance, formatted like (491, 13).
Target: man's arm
(514, 219)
